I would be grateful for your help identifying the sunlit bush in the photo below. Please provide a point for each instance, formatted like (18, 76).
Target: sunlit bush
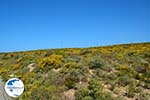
(53, 61)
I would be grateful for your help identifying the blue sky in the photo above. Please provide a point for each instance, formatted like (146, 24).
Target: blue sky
(40, 24)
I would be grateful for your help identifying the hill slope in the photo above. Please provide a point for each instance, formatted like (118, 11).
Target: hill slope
(119, 72)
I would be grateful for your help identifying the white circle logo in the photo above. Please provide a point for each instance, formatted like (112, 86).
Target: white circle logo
(14, 87)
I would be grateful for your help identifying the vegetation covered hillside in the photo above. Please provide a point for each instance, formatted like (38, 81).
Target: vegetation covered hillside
(119, 72)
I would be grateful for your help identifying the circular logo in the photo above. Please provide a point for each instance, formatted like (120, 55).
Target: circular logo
(14, 87)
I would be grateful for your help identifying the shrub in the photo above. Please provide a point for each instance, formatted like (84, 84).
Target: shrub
(87, 98)
(10, 55)
(124, 80)
(147, 86)
(55, 61)
(19, 60)
(71, 78)
(96, 63)
(111, 76)
(3, 70)
(84, 52)
(45, 93)
(144, 96)
(147, 55)
(48, 53)
(4, 57)
(69, 83)
(16, 66)
(131, 89)
(81, 93)
(97, 91)
(72, 65)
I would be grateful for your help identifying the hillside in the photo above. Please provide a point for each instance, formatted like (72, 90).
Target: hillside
(118, 72)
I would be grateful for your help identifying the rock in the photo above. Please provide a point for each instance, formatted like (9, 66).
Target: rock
(140, 69)
(69, 95)
(120, 91)
(31, 66)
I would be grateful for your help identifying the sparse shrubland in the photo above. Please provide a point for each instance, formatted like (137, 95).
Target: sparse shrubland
(119, 72)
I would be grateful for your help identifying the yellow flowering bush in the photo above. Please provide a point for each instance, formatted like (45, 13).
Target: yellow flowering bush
(54, 60)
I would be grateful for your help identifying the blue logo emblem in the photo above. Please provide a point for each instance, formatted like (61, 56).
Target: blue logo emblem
(14, 87)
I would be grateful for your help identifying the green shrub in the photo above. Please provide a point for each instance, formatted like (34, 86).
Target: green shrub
(144, 96)
(97, 90)
(72, 77)
(81, 93)
(131, 89)
(69, 83)
(147, 85)
(45, 93)
(124, 80)
(71, 64)
(96, 63)
(87, 98)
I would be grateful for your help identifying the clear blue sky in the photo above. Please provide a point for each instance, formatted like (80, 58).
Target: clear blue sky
(40, 24)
